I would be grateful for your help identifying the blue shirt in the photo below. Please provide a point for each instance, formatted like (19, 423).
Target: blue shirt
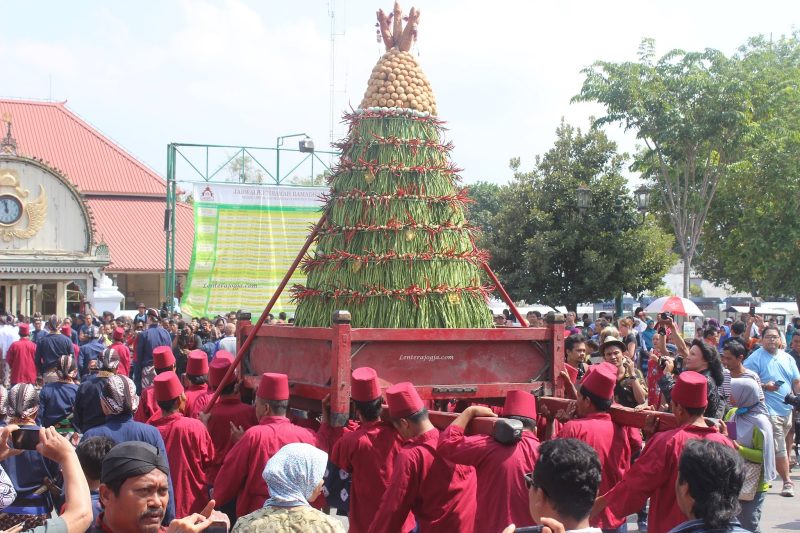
(91, 351)
(56, 402)
(122, 428)
(778, 367)
(50, 348)
(149, 339)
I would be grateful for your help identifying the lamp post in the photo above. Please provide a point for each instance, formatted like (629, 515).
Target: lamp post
(642, 196)
(306, 145)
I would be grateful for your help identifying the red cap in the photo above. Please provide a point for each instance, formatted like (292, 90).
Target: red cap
(118, 334)
(24, 329)
(167, 386)
(690, 390)
(601, 380)
(224, 354)
(219, 366)
(364, 386)
(163, 357)
(274, 387)
(197, 365)
(403, 400)
(520, 403)
(66, 330)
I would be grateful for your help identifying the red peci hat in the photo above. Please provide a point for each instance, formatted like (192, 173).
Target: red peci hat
(163, 357)
(197, 365)
(364, 386)
(690, 390)
(224, 354)
(167, 386)
(520, 403)
(118, 334)
(24, 329)
(403, 400)
(217, 370)
(273, 387)
(601, 381)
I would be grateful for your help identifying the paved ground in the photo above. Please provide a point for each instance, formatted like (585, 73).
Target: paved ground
(778, 515)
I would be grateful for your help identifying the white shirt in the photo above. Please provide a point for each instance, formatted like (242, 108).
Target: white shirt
(8, 335)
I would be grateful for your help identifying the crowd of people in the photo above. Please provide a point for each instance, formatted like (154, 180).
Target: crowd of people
(126, 436)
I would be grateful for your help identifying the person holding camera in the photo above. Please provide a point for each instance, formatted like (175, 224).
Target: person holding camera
(700, 358)
(780, 378)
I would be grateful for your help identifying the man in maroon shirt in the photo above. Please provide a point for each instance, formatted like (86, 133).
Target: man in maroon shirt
(163, 361)
(655, 472)
(118, 343)
(196, 378)
(595, 428)
(240, 475)
(21, 357)
(440, 493)
(188, 444)
(501, 468)
(368, 452)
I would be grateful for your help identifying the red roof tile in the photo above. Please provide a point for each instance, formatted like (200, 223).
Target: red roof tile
(133, 229)
(50, 131)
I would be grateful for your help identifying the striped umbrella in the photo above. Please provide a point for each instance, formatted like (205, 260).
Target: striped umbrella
(675, 305)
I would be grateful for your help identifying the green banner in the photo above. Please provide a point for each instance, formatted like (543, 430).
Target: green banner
(245, 239)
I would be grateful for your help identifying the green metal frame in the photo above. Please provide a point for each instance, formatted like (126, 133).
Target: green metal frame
(203, 172)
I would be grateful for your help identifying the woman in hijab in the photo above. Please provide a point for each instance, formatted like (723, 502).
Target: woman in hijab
(753, 432)
(294, 478)
(57, 399)
(34, 477)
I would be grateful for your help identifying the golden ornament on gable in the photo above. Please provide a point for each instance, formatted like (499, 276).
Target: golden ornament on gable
(13, 206)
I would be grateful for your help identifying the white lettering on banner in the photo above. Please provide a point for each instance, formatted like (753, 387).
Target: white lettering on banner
(238, 194)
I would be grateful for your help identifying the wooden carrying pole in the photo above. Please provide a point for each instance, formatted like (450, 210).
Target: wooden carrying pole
(504, 294)
(252, 335)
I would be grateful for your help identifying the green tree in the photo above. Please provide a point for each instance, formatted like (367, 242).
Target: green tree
(753, 231)
(545, 251)
(690, 111)
(485, 205)
(311, 181)
(243, 168)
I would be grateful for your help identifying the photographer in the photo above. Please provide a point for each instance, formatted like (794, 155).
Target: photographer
(700, 358)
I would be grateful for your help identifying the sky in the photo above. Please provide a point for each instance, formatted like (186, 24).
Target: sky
(236, 72)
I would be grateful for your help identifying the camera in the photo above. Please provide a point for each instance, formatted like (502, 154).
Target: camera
(677, 369)
(793, 400)
(665, 315)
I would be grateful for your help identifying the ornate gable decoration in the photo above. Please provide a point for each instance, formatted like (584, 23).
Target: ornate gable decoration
(14, 207)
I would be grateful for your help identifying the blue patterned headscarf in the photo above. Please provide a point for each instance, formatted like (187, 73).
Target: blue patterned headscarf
(293, 473)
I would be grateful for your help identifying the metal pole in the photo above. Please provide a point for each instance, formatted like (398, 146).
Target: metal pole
(278, 161)
(169, 267)
(252, 335)
(504, 294)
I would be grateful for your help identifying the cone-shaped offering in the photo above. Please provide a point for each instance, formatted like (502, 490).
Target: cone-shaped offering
(395, 249)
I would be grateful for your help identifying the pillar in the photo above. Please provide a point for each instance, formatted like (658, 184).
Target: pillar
(61, 299)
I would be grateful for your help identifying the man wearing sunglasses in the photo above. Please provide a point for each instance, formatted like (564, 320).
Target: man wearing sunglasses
(563, 486)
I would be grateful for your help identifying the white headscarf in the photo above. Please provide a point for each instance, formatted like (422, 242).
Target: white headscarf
(293, 473)
(751, 413)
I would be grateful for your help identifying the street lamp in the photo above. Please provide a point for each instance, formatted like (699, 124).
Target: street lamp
(584, 198)
(306, 146)
(642, 196)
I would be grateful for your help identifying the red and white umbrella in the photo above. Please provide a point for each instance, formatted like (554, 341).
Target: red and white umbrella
(675, 305)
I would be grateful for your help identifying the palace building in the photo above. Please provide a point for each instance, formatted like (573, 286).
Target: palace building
(77, 212)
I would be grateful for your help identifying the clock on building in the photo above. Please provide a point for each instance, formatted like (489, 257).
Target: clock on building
(10, 209)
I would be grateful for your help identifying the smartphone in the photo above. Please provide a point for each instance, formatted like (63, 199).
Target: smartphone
(752, 310)
(529, 529)
(25, 438)
(218, 526)
(779, 383)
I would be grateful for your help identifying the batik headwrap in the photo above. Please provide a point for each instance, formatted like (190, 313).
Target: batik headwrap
(23, 401)
(3, 401)
(109, 360)
(119, 395)
(66, 367)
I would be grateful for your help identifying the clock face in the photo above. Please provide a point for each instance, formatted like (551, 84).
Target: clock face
(10, 209)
